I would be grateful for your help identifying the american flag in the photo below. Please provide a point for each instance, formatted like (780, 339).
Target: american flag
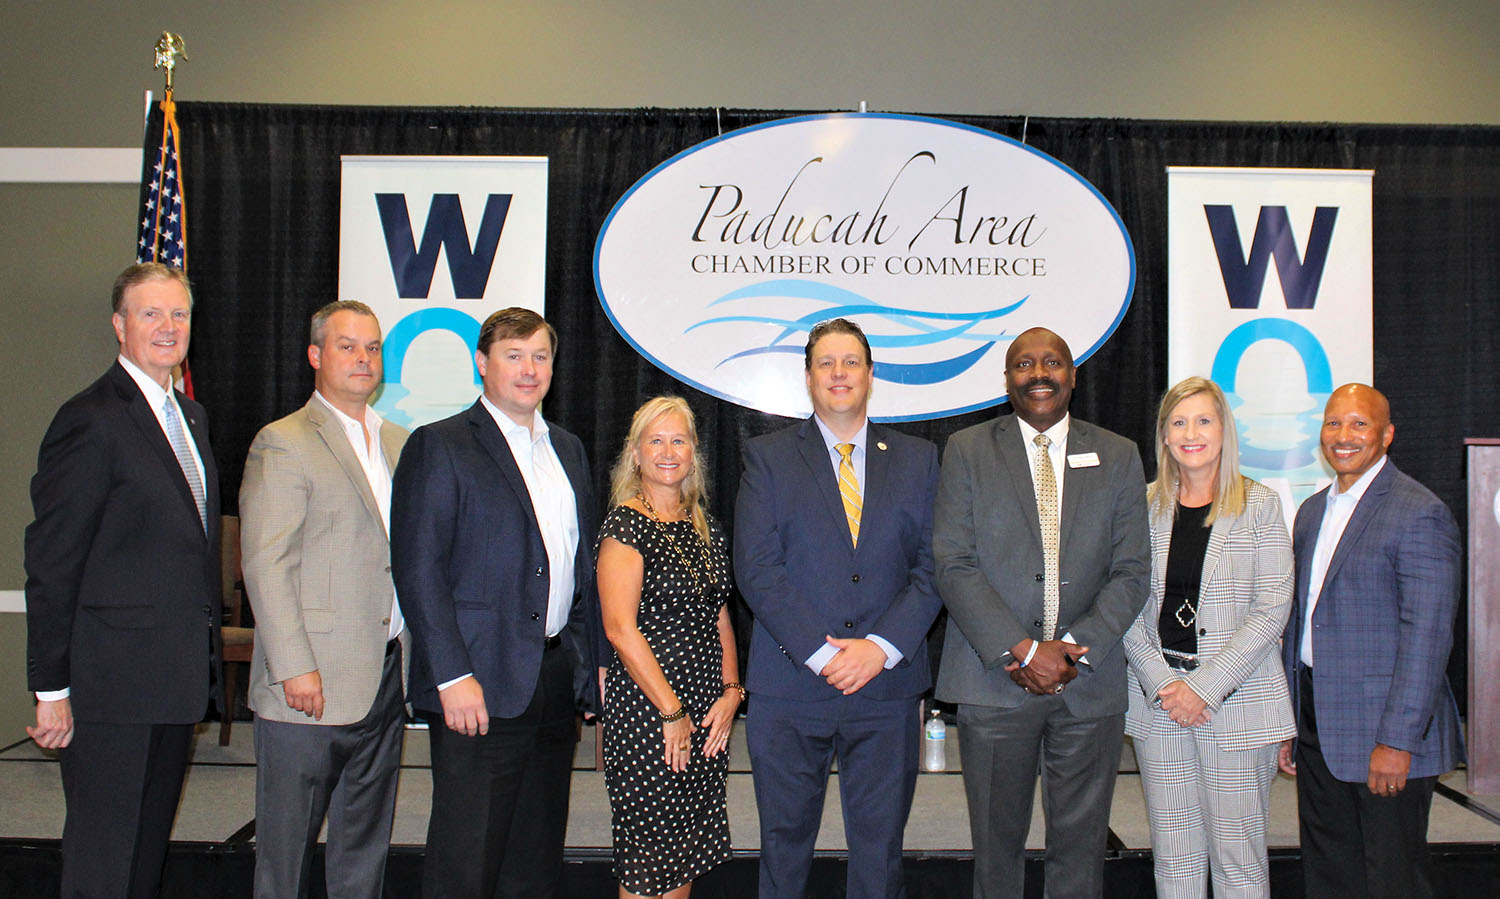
(163, 234)
(163, 226)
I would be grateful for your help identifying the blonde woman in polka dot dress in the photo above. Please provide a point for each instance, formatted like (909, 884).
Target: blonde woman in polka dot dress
(672, 689)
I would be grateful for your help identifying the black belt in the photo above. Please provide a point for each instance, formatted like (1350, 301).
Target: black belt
(1182, 662)
(552, 642)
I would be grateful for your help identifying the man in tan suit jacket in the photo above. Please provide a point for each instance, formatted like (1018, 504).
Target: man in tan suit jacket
(326, 680)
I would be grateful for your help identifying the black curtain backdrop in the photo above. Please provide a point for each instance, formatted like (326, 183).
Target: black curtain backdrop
(262, 189)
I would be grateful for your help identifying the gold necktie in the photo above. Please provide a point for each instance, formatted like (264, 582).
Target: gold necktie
(849, 488)
(1046, 511)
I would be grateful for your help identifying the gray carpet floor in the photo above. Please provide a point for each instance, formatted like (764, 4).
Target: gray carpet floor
(219, 800)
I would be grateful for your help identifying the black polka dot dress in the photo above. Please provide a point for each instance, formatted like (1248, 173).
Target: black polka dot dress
(669, 826)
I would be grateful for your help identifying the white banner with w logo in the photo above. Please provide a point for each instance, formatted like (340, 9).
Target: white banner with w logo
(434, 244)
(1269, 281)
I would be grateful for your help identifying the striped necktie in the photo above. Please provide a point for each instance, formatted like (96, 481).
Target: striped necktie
(1046, 511)
(178, 439)
(849, 489)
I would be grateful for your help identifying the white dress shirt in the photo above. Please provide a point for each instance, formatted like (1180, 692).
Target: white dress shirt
(1057, 451)
(820, 659)
(1337, 511)
(554, 503)
(377, 476)
(555, 506)
(156, 397)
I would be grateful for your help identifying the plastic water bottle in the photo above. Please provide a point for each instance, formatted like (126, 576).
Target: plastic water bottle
(934, 735)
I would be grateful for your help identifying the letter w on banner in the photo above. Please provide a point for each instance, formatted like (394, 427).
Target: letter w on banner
(434, 244)
(1269, 295)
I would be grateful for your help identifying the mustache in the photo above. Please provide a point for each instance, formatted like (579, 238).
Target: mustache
(1040, 382)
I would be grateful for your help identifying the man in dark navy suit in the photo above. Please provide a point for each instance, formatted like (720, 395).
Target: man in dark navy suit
(833, 554)
(122, 592)
(1366, 654)
(492, 538)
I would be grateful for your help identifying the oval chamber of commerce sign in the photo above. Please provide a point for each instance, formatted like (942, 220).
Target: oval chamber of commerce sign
(943, 241)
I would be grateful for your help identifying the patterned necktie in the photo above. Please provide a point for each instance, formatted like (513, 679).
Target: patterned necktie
(849, 488)
(1046, 511)
(178, 439)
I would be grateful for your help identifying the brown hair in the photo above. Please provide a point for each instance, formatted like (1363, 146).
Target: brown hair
(513, 323)
(833, 326)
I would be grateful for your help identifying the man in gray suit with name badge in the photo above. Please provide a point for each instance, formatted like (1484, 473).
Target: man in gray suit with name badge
(1040, 540)
(326, 680)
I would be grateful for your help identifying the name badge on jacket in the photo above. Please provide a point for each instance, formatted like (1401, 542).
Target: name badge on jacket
(1083, 460)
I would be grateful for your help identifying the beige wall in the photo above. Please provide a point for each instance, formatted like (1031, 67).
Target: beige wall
(72, 74)
(15, 705)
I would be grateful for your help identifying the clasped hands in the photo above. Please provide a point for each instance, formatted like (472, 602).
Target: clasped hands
(1051, 667)
(855, 664)
(677, 736)
(1183, 704)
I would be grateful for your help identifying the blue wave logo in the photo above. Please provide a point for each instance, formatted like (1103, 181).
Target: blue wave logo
(913, 328)
(1276, 441)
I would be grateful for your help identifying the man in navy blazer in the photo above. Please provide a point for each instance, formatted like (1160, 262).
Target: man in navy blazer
(492, 538)
(833, 554)
(122, 592)
(1366, 651)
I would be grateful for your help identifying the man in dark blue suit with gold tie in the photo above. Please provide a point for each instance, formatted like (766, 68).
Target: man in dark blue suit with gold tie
(833, 554)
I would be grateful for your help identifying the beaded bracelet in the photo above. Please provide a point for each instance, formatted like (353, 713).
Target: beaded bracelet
(678, 715)
(734, 685)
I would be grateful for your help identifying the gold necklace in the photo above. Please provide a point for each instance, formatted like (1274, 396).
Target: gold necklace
(699, 578)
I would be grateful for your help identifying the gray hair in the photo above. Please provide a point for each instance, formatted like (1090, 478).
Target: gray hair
(319, 328)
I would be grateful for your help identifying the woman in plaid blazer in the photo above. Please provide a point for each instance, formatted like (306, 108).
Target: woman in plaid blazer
(1208, 697)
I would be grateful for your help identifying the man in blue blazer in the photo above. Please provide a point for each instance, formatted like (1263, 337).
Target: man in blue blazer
(1366, 650)
(122, 592)
(833, 554)
(492, 538)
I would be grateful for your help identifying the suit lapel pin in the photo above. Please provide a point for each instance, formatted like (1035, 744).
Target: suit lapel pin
(880, 445)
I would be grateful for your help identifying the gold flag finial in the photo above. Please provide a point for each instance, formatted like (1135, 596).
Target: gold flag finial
(168, 47)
